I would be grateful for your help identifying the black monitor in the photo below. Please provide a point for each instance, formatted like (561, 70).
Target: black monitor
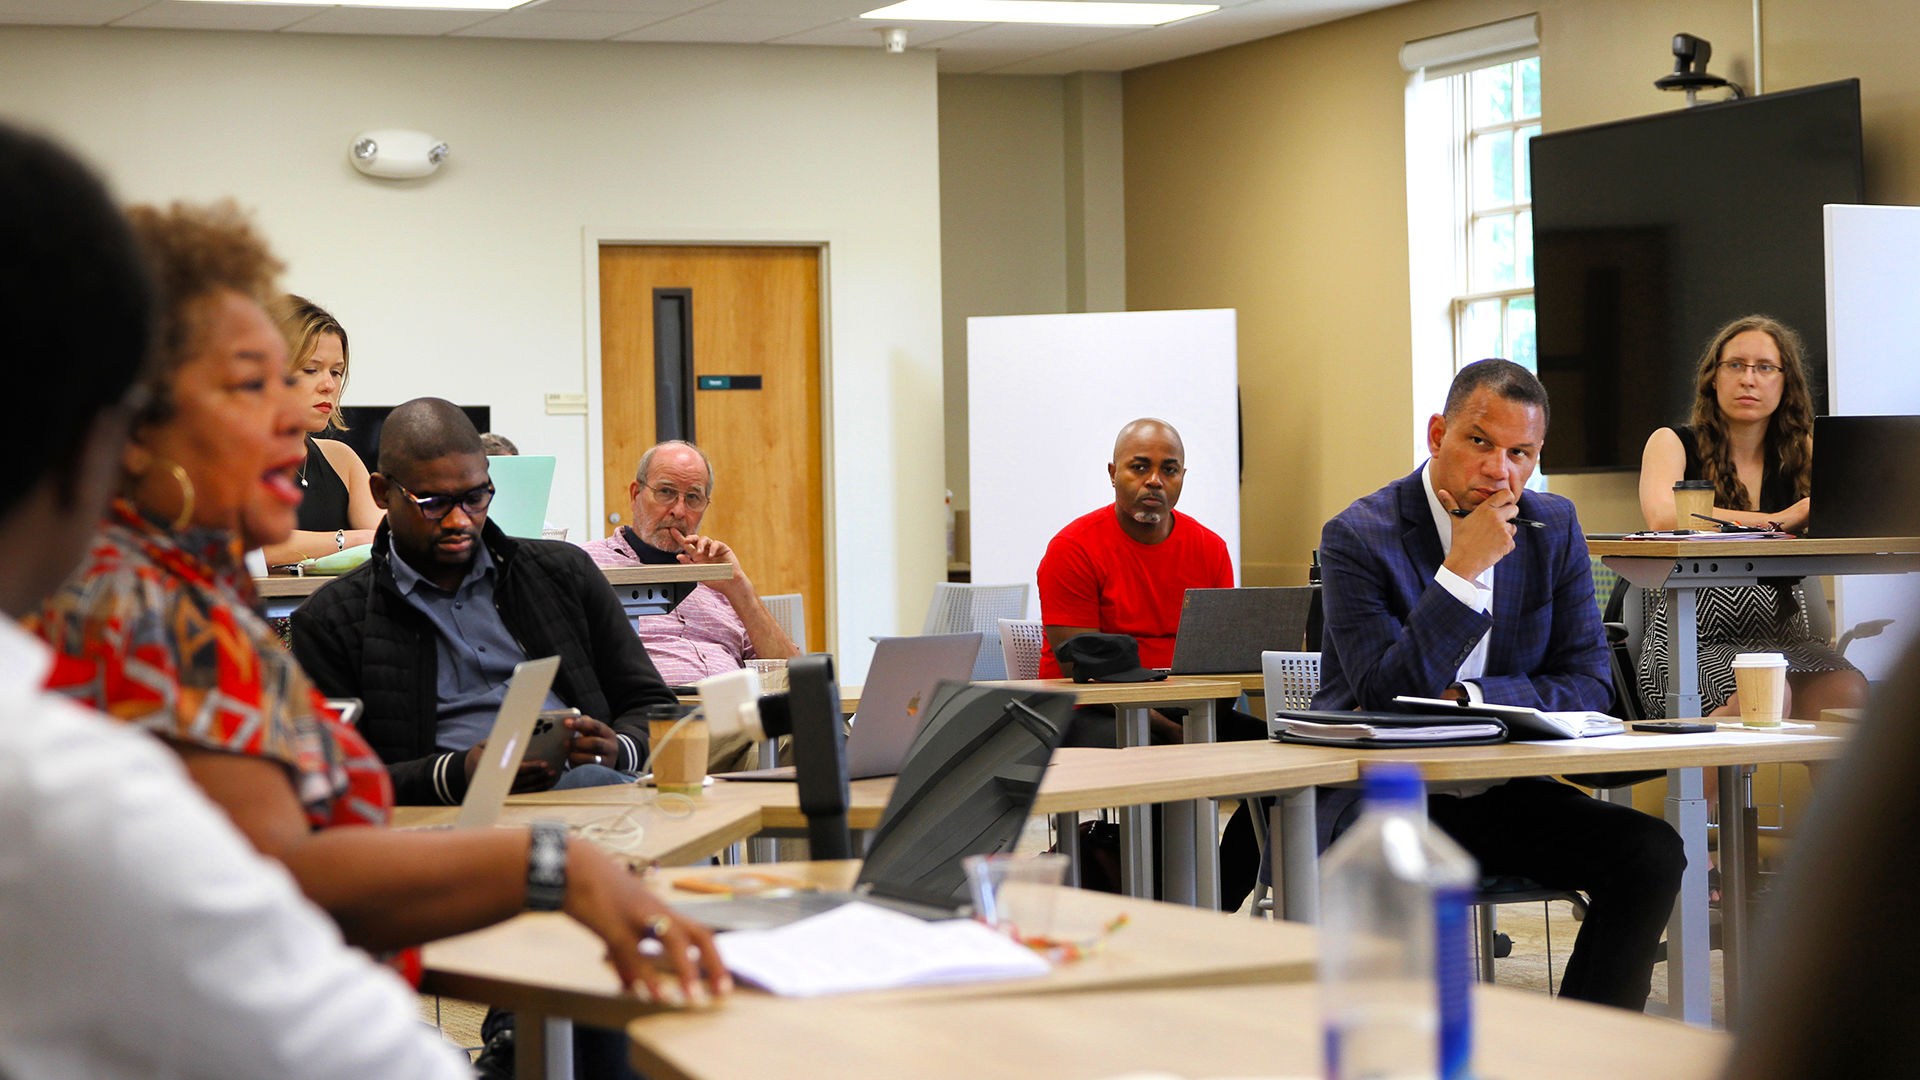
(365, 421)
(1651, 233)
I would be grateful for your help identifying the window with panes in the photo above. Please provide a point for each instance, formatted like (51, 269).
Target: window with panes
(1493, 312)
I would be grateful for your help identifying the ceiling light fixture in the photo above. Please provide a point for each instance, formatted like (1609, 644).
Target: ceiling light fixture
(1052, 12)
(417, 5)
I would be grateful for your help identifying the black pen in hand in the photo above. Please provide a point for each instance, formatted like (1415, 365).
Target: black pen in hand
(1529, 522)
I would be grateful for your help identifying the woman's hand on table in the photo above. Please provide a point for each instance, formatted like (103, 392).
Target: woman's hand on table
(610, 901)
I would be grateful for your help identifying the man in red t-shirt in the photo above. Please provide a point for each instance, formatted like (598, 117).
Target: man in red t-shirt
(1126, 569)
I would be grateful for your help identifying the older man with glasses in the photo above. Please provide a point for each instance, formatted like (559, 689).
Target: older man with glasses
(720, 625)
(428, 631)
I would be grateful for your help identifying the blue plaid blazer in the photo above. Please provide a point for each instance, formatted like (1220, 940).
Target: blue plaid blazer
(1391, 629)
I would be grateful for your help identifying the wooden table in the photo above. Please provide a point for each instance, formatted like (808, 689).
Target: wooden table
(1270, 1030)
(1683, 567)
(1191, 827)
(643, 590)
(1686, 810)
(665, 835)
(550, 970)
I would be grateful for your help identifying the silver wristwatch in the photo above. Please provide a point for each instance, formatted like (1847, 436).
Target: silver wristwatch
(547, 867)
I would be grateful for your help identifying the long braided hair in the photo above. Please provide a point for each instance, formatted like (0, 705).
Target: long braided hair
(1789, 430)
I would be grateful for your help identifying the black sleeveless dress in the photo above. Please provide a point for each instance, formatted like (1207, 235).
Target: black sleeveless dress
(1733, 620)
(324, 509)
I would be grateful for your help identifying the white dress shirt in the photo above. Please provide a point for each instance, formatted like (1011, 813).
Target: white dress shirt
(141, 936)
(1477, 595)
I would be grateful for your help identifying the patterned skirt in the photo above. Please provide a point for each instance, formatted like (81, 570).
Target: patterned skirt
(1733, 620)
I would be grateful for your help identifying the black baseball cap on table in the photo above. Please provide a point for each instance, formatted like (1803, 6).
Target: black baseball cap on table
(1105, 658)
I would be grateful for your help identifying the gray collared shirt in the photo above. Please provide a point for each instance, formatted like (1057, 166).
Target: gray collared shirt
(476, 652)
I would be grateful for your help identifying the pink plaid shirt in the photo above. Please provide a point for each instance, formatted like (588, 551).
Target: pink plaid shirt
(701, 636)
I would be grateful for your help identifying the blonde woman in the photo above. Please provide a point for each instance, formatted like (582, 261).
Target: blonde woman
(337, 511)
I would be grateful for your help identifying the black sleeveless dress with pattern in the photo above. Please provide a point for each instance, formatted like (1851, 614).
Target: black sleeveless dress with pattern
(324, 509)
(1733, 620)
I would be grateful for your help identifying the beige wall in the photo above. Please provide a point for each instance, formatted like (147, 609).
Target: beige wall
(473, 284)
(1003, 220)
(1271, 177)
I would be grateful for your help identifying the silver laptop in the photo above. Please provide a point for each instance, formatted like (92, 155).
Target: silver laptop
(899, 684)
(1224, 631)
(506, 744)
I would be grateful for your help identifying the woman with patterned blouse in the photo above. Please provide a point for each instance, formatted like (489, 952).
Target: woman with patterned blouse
(159, 629)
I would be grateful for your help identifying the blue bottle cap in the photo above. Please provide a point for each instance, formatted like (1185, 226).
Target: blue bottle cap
(1394, 782)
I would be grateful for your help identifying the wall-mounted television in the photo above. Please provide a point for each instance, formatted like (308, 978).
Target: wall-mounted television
(365, 421)
(1651, 233)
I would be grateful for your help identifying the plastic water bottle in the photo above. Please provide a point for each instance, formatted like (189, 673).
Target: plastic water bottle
(1394, 975)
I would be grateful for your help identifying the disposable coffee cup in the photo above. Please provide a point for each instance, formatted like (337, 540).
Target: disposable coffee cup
(1692, 497)
(773, 675)
(679, 757)
(1761, 679)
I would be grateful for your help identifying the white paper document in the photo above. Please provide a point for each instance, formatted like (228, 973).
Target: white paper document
(864, 947)
(1705, 738)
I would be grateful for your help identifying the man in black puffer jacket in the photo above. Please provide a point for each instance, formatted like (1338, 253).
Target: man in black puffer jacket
(428, 630)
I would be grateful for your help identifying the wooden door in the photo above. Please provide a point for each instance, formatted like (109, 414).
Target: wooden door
(755, 311)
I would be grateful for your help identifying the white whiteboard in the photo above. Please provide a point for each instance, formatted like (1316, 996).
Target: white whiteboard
(1873, 321)
(1047, 394)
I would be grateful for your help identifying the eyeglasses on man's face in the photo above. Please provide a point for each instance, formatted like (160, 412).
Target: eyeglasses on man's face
(435, 507)
(1739, 368)
(664, 497)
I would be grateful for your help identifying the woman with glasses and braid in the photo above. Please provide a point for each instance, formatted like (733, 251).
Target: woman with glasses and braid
(1751, 438)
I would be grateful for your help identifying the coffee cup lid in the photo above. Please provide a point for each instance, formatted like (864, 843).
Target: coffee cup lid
(1760, 659)
(1692, 485)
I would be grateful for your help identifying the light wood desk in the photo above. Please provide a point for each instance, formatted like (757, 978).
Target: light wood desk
(1191, 827)
(1269, 1030)
(550, 970)
(1683, 567)
(665, 835)
(643, 590)
(1686, 810)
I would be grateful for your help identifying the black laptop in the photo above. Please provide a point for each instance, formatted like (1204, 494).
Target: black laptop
(1866, 476)
(966, 789)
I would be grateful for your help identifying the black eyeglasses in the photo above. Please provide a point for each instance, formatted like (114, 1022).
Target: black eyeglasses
(435, 507)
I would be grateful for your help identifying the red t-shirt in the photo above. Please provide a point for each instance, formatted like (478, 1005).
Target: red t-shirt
(1096, 575)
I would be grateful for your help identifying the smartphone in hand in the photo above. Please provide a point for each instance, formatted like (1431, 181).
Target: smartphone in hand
(551, 737)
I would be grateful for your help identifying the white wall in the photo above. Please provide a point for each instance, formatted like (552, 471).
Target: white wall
(1050, 392)
(469, 284)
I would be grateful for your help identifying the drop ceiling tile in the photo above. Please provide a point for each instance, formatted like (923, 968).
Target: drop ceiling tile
(867, 32)
(68, 12)
(571, 25)
(185, 16)
(653, 9)
(735, 29)
(342, 20)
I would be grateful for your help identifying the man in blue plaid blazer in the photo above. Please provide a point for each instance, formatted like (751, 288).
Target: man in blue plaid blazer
(1457, 582)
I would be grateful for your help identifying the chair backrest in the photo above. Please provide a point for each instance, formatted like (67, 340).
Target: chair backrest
(1813, 598)
(790, 611)
(977, 609)
(1022, 641)
(1292, 678)
(1605, 580)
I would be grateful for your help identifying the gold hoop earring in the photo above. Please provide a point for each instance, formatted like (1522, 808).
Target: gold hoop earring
(185, 517)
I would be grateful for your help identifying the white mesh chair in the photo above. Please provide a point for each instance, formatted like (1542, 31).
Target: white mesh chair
(1291, 679)
(790, 611)
(1022, 641)
(977, 609)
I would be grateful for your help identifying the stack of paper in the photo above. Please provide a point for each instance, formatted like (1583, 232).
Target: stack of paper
(860, 946)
